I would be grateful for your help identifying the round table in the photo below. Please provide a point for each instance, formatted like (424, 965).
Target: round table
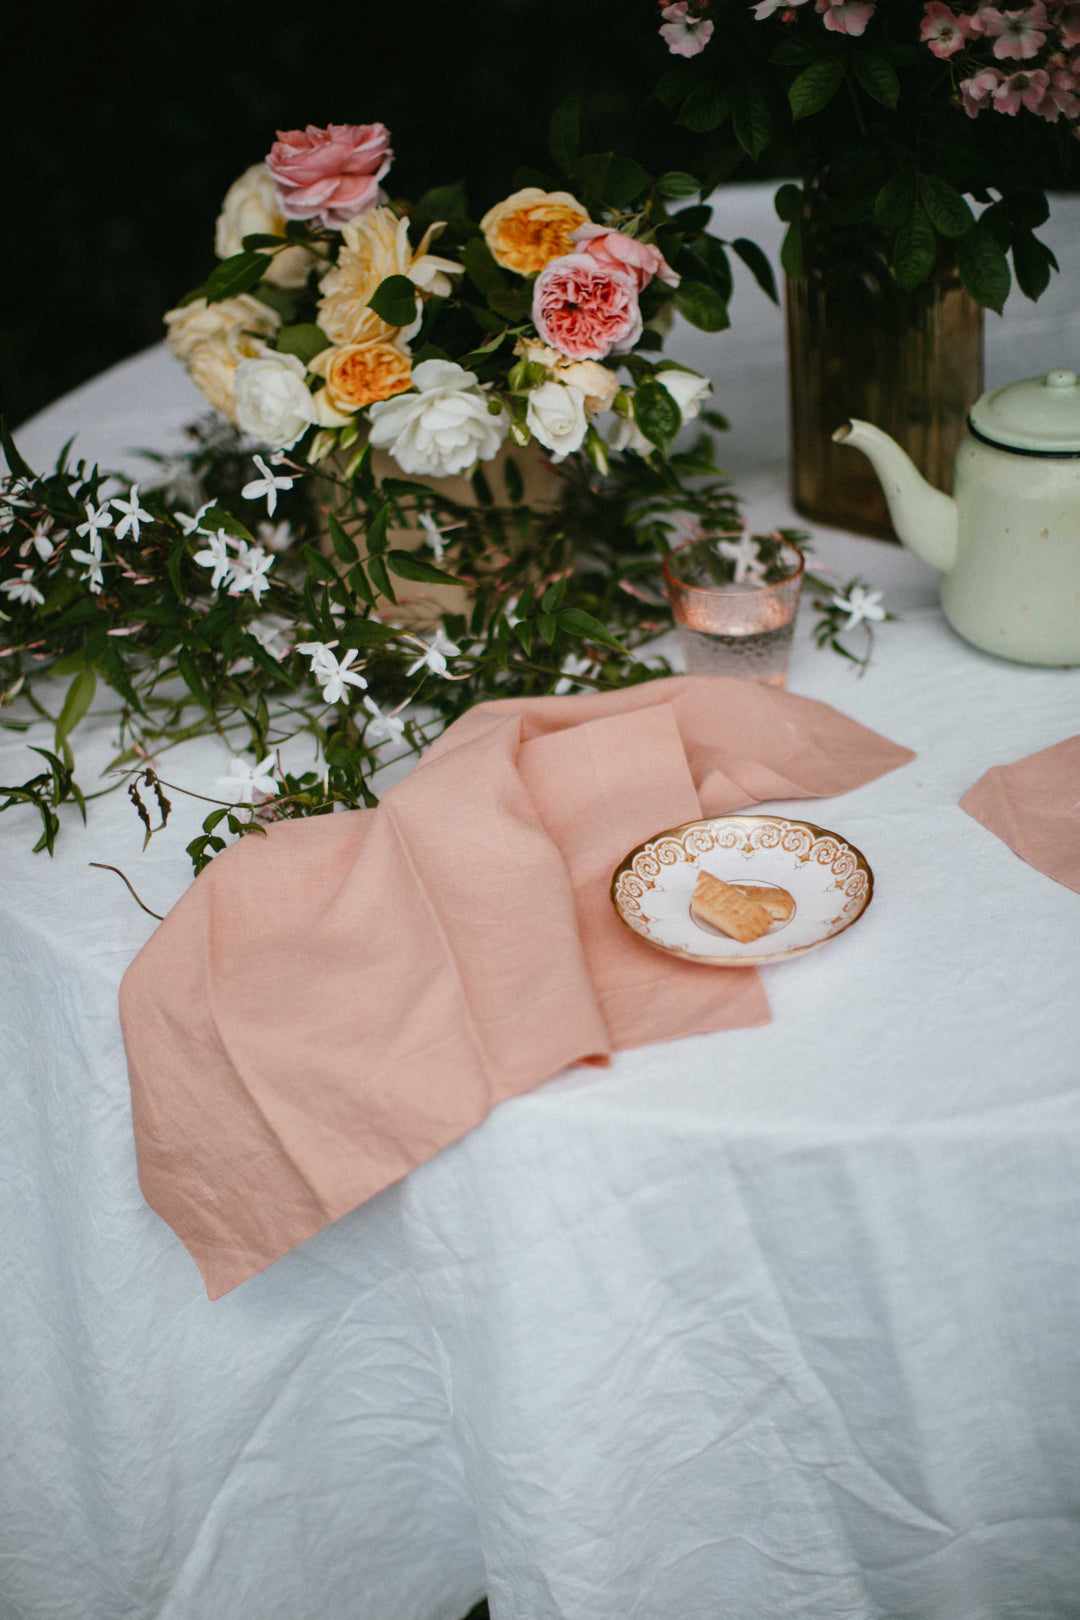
(777, 1322)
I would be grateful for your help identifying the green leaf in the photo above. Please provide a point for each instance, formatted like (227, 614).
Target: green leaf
(576, 622)
(1027, 209)
(375, 536)
(361, 632)
(791, 250)
(626, 180)
(895, 202)
(343, 544)
(752, 121)
(515, 488)
(676, 183)
(361, 584)
(189, 670)
(758, 266)
(394, 301)
(564, 133)
(235, 276)
(788, 202)
(260, 239)
(984, 269)
(16, 465)
(305, 340)
(705, 108)
(80, 695)
(482, 270)
(914, 249)
(877, 76)
(816, 85)
(702, 306)
(1032, 262)
(671, 87)
(949, 213)
(443, 202)
(589, 176)
(380, 578)
(656, 413)
(513, 303)
(407, 565)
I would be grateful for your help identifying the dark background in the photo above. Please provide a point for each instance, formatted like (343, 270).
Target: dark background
(129, 119)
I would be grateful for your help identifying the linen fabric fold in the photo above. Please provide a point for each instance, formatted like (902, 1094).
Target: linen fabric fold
(332, 1004)
(1034, 807)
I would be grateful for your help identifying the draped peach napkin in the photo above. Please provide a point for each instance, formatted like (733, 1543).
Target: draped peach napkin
(1034, 807)
(330, 1005)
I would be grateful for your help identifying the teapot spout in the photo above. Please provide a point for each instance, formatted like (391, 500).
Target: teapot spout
(924, 518)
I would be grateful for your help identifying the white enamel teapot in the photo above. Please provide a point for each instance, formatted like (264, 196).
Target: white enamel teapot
(1008, 541)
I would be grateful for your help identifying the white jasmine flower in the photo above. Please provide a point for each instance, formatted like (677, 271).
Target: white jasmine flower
(332, 674)
(245, 779)
(382, 727)
(97, 517)
(267, 485)
(133, 515)
(860, 604)
(443, 428)
(249, 570)
(572, 667)
(434, 534)
(435, 654)
(269, 632)
(556, 417)
(41, 540)
(21, 590)
(92, 559)
(215, 555)
(274, 536)
(746, 555)
(273, 402)
(321, 655)
(191, 525)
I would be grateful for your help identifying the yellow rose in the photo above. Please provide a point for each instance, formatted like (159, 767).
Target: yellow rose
(212, 339)
(375, 245)
(358, 374)
(532, 227)
(598, 384)
(251, 208)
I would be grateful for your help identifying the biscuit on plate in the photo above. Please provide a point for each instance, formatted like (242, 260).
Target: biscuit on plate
(726, 908)
(777, 902)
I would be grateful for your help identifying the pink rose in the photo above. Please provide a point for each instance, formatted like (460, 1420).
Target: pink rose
(584, 308)
(624, 253)
(330, 174)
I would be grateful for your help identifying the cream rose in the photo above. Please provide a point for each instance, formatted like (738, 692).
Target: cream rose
(374, 246)
(251, 208)
(597, 383)
(556, 416)
(273, 403)
(444, 428)
(212, 340)
(527, 230)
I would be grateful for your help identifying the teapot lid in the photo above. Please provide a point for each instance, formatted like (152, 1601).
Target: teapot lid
(1040, 415)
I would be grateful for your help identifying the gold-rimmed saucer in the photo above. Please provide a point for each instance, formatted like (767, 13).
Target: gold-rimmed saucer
(829, 880)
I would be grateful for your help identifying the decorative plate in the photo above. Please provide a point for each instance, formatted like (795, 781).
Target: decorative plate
(828, 879)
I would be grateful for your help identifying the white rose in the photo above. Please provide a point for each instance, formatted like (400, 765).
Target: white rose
(598, 383)
(272, 399)
(444, 428)
(626, 435)
(556, 416)
(251, 208)
(687, 389)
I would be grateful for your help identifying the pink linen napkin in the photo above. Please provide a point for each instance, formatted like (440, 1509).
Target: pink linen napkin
(330, 1005)
(1034, 807)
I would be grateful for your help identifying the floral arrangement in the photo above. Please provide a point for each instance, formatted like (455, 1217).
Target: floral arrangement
(447, 471)
(882, 106)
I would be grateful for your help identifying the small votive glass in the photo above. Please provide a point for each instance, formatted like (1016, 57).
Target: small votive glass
(735, 598)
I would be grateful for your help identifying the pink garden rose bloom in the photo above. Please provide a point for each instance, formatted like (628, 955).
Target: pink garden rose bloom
(329, 174)
(684, 34)
(978, 92)
(1018, 34)
(624, 253)
(846, 16)
(1021, 90)
(943, 30)
(584, 308)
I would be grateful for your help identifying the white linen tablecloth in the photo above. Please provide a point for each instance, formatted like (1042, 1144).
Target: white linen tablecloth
(777, 1322)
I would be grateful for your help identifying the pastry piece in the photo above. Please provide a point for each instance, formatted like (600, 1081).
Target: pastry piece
(777, 902)
(726, 908)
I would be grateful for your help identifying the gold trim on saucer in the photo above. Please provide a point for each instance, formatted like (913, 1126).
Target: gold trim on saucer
(803, 839)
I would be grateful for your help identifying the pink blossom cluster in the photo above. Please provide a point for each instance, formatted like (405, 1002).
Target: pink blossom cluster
(839, 16)
(585, 304)
(1043, 36)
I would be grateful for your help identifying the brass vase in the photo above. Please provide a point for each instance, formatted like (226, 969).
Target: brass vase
(912, 366)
